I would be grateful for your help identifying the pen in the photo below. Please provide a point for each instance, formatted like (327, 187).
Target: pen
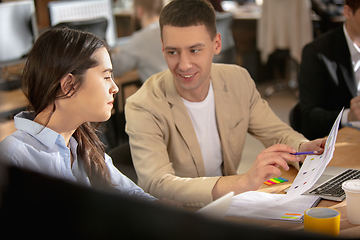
(305, 153)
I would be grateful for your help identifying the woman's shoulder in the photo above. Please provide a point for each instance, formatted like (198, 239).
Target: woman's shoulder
(12, 145)
(24, 150)
(20, 146)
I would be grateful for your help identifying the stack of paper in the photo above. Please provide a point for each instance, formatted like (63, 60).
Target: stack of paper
(313, 166)
(262, 205)
(290, 206)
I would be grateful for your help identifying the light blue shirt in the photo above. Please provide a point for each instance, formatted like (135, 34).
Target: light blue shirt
(43, 150)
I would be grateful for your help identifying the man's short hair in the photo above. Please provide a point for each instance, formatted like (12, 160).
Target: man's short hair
(186, 13)
(353, 4)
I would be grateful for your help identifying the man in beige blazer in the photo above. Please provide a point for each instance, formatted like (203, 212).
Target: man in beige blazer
(187, 125)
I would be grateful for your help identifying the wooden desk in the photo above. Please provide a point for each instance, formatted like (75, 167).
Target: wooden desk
(7, 127)
(12, 102)
(347, 152)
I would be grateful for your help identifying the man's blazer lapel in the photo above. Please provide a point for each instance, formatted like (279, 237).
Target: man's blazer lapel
(223, 115)
(344, 61)
(184, 125)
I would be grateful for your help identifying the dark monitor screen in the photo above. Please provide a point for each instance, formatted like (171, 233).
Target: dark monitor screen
(37, 205)
(76, 11)
(18, 30)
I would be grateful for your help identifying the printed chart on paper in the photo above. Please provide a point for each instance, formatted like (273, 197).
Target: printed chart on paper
(313, 166)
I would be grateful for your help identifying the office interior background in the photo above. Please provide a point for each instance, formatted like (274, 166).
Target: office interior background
(275, 77)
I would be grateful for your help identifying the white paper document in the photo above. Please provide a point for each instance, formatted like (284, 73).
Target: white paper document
(290, 206)
(218, 207)
(313, 166)
(262, 205)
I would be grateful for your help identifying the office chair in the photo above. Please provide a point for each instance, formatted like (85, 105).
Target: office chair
(284, 27)
(96, 26)
(224, 22)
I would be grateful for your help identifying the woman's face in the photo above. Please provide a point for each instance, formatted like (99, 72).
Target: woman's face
(93, 101)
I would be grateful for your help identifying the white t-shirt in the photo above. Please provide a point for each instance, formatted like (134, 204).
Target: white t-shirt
(203, 118)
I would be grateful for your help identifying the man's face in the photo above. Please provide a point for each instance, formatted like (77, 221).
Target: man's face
(352, 23)
(189, 52)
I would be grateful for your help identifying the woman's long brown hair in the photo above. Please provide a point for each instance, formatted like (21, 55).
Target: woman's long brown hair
(56, 53)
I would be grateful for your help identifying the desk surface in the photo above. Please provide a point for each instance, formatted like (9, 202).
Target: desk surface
(11, 102)
(347, 152)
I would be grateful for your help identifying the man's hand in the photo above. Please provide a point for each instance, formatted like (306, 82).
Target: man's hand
(354, 114)
(266, 165)
(315, 145)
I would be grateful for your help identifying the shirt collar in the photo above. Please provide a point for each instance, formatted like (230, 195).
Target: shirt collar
(354, 49)
(24, 122)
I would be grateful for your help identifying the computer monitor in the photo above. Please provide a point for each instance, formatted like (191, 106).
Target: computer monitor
(18, 31)
(71, 11)
(37, 205)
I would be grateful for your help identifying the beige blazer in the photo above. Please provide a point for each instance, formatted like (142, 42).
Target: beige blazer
(164, 146)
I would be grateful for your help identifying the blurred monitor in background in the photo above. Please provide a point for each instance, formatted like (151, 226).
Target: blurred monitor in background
(77, 11)
(18, 31)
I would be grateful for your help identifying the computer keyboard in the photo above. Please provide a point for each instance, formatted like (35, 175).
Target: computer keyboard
(332, 189)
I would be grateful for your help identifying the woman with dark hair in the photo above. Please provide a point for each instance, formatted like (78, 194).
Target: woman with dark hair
(69, 84)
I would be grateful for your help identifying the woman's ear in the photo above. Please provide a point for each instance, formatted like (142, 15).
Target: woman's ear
(68, 85)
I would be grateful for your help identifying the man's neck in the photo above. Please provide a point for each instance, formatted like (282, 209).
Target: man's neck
(196, 95)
